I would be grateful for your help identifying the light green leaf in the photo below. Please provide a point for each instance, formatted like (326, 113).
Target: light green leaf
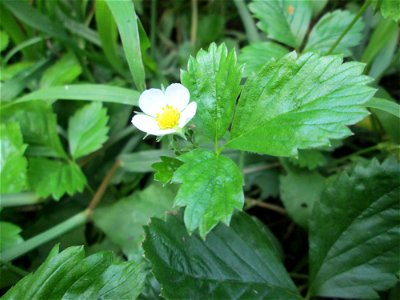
(310, 159)
(166, 168)
(4, 40)
(12, 70)
(256, 55)
(211, 189)
(328, 30)
(141, 161)
(299, 103)
(384, 105)
(38, 126)
(285, 21)
(317, 6)
(92, 92)
(389, 9)
(236, 262)
(50, 177)
(87, 129)
(213, 79)
(127, 22)
(65, 70)
(9, 235)
(355, 233)
(69, 275)
(123, 221)
(299, 191)
(13, 164)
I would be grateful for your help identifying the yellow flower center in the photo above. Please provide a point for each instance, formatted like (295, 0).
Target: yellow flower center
(169, 117)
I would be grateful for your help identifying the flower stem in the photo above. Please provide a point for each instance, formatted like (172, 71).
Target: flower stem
(249, 25)
(355, 19)
(19, 199)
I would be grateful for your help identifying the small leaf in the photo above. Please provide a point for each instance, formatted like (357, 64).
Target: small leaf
(354, 233)
(256, 55)
(13, 164)
(87, 129)
(328, 30)
(299, 191)
(299, 103)
(123, 221)
(142, 161)
(166, 168)
(50, 177)
(389, 8)
(9, 235)
(236, 262)
(213, 79)
(310, 159)
(285, 21)
(69, 275)
(211, 189)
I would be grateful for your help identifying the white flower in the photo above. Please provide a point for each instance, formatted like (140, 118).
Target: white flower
(164, 112)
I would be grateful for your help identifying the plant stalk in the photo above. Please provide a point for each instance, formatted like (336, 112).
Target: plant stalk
(19, 199)
(248, 22)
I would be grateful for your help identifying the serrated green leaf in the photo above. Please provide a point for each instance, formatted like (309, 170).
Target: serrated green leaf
(123, 221)
(166, 168)
(4, 40)
(87, 129)
(310, 159)
(141, 161)
(211, 189)
(55, 178)
(13, 164)
(236, 262)
(213, 79)
(254, 56)
(38, 126)
(299, 191)
(355, 233)
(64, 71)
(285, 21)
(389, 8)
(9, 235)
(299, 103)
(329, 28)
(69, 275)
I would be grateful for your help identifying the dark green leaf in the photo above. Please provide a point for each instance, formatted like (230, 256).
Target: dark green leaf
(135, 211)
(13, 163)
(299, 103)
(211, 189)
(87, 129)
(328, 30)
(141, 161)
(213, 79)
(69, 275)
(50, 177)
(285, 21)
(310, 159)
(166, 168)
(256, 55)
(236, 262)
(355, 233)
(9, 235)
(4, 39)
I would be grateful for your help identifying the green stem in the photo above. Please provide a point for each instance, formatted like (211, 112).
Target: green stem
(248, 22)
(19, 199)
(42, 238)
(193, 33)
(153, 25)
(355, 19)
(13, 268)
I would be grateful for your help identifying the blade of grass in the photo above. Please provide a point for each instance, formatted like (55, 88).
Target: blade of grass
(21, 47)
(127, 23)
(385, 105)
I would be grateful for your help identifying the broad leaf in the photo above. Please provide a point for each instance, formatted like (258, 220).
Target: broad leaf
(329, 28)
(13, 164)
(9, 235)
(166, 168)
(285, 21)
(69, 275)
(211, 189)
(299, 191)
(136, 211)
(213, 79)
(355, 233)
(299, 103)
(55, 178)
(87, 129)
(236, 262)
(254, 56)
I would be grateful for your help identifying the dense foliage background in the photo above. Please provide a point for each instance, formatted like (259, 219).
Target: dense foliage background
(84, 197)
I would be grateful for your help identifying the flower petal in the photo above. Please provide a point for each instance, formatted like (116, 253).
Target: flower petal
(187, 114)
(152, 101)
(177, 95)
(149, 125)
